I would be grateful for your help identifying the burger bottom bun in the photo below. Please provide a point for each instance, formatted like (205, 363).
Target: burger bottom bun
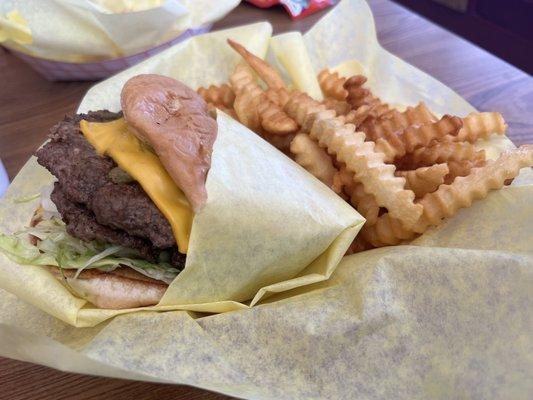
(118, 289)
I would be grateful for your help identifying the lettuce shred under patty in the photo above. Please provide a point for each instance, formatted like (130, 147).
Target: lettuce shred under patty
(56, 247)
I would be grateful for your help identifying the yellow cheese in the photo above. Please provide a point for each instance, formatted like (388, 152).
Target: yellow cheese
(118, 142)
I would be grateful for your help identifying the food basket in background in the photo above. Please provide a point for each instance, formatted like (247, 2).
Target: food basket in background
(68, 71)
(68, 40)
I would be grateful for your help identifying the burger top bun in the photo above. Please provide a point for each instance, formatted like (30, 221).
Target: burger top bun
(174, 120)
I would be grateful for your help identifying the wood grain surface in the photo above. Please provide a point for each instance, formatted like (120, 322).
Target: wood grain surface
(29, 105)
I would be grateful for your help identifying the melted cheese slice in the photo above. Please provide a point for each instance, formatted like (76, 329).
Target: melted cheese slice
(117, 141)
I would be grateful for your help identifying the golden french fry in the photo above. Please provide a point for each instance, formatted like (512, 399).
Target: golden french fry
(340, 107)
(247, 97)
(253, 107)
(219, 96)
(364, 203)
(478, 126)
(268, 74)
(359, 156)
(273, 118)
(397, 144)
(356, 94)
(282, 143)
(425, 179)
(359, 115)
(279, 96)
(397, 121)
(465, 189)
(481, 125)
(387, 231)
(313, 158)
(461, 168)
(301, 108)
(439, 153)
(331, 84)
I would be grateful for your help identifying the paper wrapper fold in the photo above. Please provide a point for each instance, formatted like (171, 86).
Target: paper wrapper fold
(448, 316)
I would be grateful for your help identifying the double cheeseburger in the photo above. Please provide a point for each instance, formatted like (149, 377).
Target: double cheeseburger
(128, 185)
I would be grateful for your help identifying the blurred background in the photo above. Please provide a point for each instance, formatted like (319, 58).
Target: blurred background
(502, 27)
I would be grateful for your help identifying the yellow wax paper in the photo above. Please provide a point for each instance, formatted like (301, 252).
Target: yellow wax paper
(94, 30)
(446, 317)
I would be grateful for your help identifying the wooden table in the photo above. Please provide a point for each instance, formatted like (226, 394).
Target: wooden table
(29, 105)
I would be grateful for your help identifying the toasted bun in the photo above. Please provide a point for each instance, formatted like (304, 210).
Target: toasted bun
(118, 289)
(175, 121)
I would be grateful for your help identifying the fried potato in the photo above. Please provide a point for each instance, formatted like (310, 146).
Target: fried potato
(479, 126)
(273, 118)
(247, 97)
(387, 231)
(464, 190)
(340, 107)
(397, 121)
(268, 74)
(439, 153)
(282, 143)
(461, 168)
(425, 179)
(254, 109)
(347, 140)
(332, 85)
(397, 144)
(219, 96)
(313, 158)
(277, 96)
(350, 147)
(364, 203)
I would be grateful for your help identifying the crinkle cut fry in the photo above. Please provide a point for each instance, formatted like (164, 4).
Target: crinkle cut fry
(441, 152)
(268, 74)
(359, 156)
(254, 108)
(461, 168)
(308, 154)
(332, 84)
(339, 106)
(247, 97)
(464, 190)
(387, 231)
(425, 179)
(356, 94)
(449, 198)
(479, 126)
(220, 96)
(277, 96)
(364, 203)
(398, 121)
(395, 145)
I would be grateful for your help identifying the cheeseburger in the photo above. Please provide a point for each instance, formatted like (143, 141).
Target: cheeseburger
(115, 226)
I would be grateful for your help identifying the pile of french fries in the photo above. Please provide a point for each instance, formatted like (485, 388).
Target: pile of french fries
(404, 171)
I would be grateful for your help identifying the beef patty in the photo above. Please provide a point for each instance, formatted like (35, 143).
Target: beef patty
(92, 205)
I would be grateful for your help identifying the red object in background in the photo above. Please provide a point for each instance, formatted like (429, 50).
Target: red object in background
(296, 8)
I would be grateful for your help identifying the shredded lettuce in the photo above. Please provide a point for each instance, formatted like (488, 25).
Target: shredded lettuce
(56, 247)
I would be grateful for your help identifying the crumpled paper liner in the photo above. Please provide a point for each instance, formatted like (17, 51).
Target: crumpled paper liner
(446, 317)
